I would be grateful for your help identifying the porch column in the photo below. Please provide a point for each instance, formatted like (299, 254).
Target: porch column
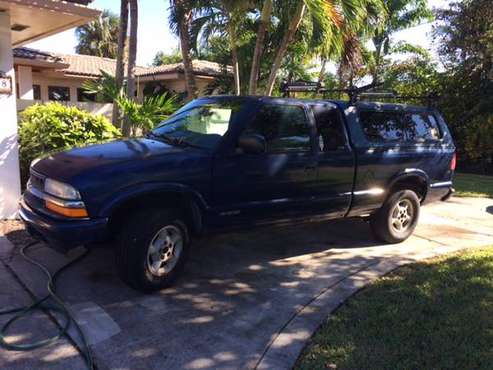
(73, 94)
(9, 151)
(25, 76)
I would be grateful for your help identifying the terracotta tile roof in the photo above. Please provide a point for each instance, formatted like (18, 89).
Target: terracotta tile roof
(200, 67)
(90, 66)
(33, 54)
(81, 2)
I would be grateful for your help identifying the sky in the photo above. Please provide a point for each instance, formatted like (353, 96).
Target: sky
(154, 34)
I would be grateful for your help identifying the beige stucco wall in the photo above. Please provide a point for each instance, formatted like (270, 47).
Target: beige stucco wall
(9, 148)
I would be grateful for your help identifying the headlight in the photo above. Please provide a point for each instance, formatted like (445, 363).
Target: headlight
(61, 190)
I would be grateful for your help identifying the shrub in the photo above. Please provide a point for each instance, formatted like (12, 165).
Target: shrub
(52, 127)
(479, 141)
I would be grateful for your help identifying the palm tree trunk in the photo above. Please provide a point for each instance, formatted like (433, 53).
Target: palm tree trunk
(321, 75)
(132, 56)
(288, 36)
(234, 54)
(259, 46)
(120, 62)
(184, 33)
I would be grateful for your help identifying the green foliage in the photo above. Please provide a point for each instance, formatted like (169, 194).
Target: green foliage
(105, 88)
(99, 37)
(479, 140)
(402, 14)
(162, 58)
(45, 128)
(465, 37)
(147, 115)
(143, 115)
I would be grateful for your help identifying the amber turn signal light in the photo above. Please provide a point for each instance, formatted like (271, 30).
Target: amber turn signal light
(67, 212)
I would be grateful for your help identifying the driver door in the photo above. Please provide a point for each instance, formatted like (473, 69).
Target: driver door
(276, 183)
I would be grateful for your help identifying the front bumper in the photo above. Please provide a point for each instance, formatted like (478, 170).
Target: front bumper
(60, 234)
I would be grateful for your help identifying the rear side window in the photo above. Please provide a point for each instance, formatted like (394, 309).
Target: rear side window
(329, 128)
(284, 127)
(400, 126)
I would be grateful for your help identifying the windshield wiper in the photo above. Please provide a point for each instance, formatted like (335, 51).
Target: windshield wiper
(179, 141)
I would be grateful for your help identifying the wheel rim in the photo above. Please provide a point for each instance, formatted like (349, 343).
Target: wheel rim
(402, 215)
(164, 250)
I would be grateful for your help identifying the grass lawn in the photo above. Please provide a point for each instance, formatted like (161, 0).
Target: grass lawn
(468, 185)
(436, 314)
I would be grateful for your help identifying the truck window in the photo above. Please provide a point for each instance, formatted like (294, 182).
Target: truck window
(284, 127)
(329, 128)
(399, 126)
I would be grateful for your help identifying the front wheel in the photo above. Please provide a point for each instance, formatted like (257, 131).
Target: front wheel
(398, 217)
(152, 249)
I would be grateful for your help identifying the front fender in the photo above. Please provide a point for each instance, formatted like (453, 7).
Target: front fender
(146, 189)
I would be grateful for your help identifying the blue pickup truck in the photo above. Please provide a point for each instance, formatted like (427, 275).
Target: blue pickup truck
(226, 162)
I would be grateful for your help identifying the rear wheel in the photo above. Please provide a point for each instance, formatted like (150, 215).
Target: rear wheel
(398, 217)
(152, 249)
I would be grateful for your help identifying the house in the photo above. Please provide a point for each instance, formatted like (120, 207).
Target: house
(45, 76)
(21, 22)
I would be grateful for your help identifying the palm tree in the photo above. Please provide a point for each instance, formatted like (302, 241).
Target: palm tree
(98, 37)
(402, 14)
(181, 18)
(120, 62)
(329, 15)
(132, 56)
(259, 45)
(222, 17)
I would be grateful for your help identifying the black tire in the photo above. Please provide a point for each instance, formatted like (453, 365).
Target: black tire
(132, 259)
(384, 223)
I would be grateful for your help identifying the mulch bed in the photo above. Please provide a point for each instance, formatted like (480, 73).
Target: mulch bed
(15, 232)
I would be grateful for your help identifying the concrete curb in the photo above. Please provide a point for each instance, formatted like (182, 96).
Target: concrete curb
(286, 346)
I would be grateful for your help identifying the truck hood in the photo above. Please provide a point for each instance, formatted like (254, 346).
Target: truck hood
(71, 163)
(121, 164)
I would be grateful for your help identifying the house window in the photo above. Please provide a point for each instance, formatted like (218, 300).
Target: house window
(82, 95)
(36, 92)
(58, 93)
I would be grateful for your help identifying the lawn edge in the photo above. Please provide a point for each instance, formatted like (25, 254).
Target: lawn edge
(287, 345)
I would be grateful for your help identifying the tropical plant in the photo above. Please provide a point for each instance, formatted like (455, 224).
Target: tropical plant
(181, 17)
(151, 111)
(145, 115)
(223, 18)
(45, 128)
(120, 58)
(265, 19)
(132, 57)
(105, 89)
(402, 14)
(98, 37)
(337, 23)
(163, 58)
(465, 38)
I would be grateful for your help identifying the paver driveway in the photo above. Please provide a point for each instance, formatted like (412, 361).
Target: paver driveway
(247, 300)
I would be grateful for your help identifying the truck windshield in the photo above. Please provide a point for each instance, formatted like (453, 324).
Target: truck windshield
(200, 125)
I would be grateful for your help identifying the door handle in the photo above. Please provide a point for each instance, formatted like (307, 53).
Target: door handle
(310, 167)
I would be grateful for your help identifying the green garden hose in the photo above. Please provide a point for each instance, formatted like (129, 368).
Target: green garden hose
(42, 304)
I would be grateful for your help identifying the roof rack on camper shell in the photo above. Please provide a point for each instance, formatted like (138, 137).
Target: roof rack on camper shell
(370, 91)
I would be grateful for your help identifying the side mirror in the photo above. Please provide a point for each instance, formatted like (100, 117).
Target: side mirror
(252, 144)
